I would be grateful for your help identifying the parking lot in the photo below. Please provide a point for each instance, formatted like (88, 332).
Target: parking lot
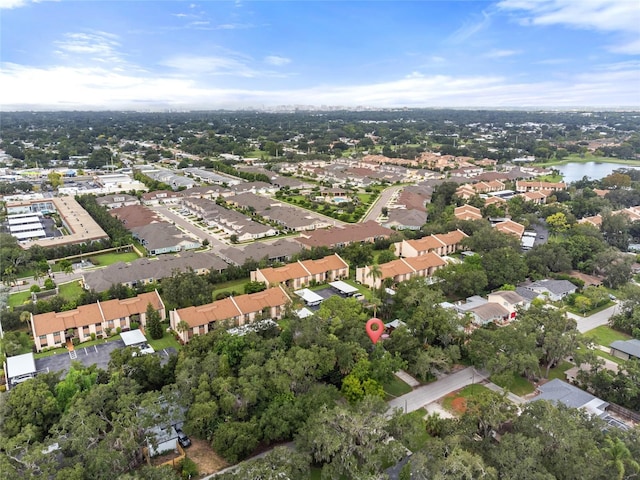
(95, 355)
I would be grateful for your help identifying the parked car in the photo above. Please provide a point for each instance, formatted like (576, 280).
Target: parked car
(183, 440)
(358, 296)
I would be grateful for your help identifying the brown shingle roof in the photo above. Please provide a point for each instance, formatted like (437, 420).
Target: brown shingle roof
(57, 322)
(113, 309)
(326, 264)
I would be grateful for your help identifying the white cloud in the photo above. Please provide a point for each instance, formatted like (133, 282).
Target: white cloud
(618, 16)
(234, 65)
(470, 28)
(277, 60)
(99, 47)
(13, 3)
(61, 87)
(501, 53)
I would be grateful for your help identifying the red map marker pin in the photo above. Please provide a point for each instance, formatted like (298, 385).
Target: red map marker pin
(375, 334)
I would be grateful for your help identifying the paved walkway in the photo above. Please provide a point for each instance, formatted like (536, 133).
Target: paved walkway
(511, 396)
(406, 378)
(600, 318)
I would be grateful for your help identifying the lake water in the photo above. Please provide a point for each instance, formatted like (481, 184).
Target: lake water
(573, 171)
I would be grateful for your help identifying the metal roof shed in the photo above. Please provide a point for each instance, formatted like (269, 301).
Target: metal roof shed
(343, 287)
(309, 297)
(133, 338)
(20, 368)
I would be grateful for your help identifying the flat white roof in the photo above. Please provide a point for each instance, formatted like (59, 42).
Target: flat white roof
(19, 219)
(310, 298)
(344, 287)
(133, 337)
(21, 365)
(304, 313)
(25, 227)
(31, 234)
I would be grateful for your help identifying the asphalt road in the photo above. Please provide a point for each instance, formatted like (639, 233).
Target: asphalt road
(426, 394)
(589, 323)
(376, 210)
(179, 221)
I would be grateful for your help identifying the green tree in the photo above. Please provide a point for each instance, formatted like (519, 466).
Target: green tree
(619, 457)
(153, 325)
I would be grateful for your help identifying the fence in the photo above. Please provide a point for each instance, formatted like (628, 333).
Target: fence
(624, 412)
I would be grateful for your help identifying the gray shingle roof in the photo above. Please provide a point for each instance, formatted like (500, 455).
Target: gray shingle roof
(630, 347)
(558, 391)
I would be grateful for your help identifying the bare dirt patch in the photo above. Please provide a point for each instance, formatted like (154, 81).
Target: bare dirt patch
(459, 404)
(206, 458)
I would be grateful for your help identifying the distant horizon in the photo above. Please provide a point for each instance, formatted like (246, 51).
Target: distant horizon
(136, 55)
(333, 109)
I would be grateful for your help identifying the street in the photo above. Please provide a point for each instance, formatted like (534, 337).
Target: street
(589, 323)
(376, 209)
(426, 394)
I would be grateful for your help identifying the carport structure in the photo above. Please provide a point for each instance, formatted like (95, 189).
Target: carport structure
(133, 338)
(310, 298)
(343, 288)
(19, 368)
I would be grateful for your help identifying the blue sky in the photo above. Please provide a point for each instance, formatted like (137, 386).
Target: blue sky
(215, 54)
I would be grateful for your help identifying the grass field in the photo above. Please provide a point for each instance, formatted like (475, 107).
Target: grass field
(167, 341)
(516, 384)
(558, 371)
(456, 402)
(608, 356)
(396, 387)
(70, 291)
(17, 299)
(604, 335)
(105, 259)
(236, 286)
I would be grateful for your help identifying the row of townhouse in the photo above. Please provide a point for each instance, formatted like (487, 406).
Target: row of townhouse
(469, 190)
(440, 244)
(230, 221)
(632, 214)
(289, 218)
(528, 186)
(229, 312)
(300, 274)
(55, 329)
(400, 270)
(144, 271)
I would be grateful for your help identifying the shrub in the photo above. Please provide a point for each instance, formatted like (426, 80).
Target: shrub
(49, 284)
(118, 331)
(3, 388)
(188, 468)
(93, 336)
(135, 325)
(107, 331)
(34, 288)
(76, 341)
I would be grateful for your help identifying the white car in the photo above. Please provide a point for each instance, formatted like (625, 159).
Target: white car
(143, 350)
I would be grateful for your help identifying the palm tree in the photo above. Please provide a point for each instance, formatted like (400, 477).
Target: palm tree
(619, 456)
(182, 326)
(375, 272)
(26, 318)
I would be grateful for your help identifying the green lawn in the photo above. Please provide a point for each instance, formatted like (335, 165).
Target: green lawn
(516, 384)
(167, 341)
(608, 356)
(19, 298)
(589, 312)
(558, 371)
(236, 286)
(396, 387)
(467, 392)
(70, 291)
(605, 335)
(49, 353)
(105, 259)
